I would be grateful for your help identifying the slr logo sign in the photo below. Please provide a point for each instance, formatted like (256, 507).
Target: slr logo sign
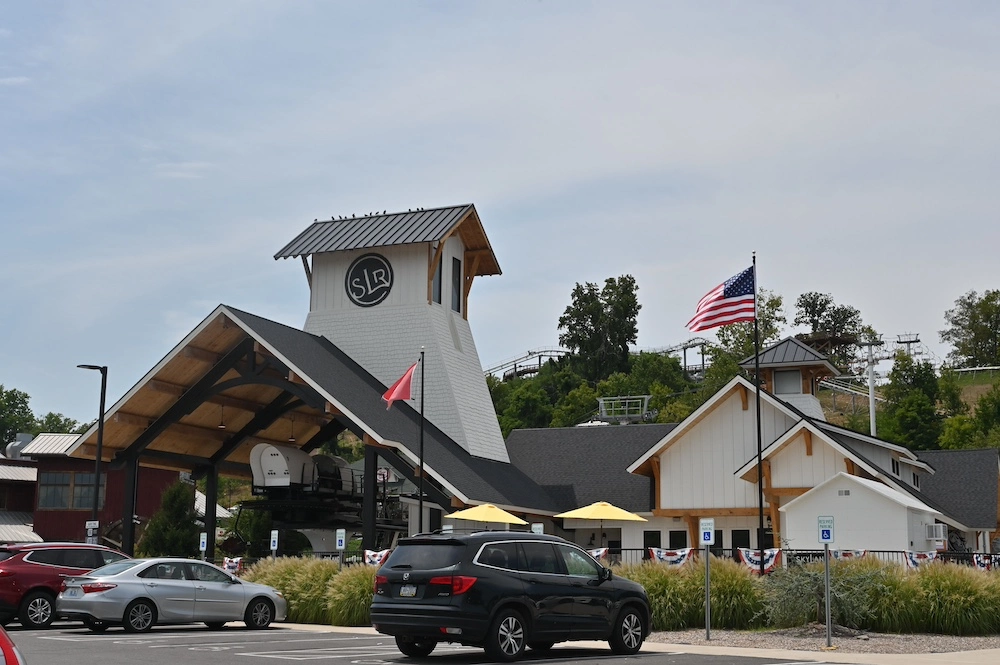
(369, 280)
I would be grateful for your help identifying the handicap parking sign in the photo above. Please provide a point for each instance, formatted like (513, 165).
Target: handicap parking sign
(825, 525)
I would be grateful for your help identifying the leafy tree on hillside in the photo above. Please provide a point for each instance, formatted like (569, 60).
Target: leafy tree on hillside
(974, 330)
(736, 339)
(57, 422)
(15, 414)
(599, 326)
(979, 430)
(172, 530)
(911, 418)
(838, 326)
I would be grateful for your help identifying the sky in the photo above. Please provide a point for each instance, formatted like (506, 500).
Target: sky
(155, 156)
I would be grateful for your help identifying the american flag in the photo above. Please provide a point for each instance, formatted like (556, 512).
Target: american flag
(729, 302)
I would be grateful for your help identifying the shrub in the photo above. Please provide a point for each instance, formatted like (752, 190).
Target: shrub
(957, 600)
(793, 596)
(303, 581)
(737, 595)
(892, 597)
(349, 596)
(676, 595)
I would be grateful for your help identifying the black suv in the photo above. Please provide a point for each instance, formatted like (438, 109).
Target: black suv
(503, 591)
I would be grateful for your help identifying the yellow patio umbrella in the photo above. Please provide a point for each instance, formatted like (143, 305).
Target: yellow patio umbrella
(600, 511)
(486, 512)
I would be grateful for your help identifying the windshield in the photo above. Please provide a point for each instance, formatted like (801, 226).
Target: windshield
(114, 568)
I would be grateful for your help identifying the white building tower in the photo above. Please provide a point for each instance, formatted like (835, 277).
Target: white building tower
(383, 286)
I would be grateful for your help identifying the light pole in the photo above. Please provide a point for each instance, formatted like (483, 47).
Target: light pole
(103, 369)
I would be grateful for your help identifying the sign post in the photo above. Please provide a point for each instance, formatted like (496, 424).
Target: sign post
(707, 528)
(341, 546)
(203, 544)
(274, 544)
(825, 525)
(92, 528)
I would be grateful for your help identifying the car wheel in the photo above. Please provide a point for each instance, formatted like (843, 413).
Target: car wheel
(96, 625)
(140, 615)
(414, 648)
(37, 610)
(628, 633)
(259, 614)
(540, 646)
(215, 625)
(505, 641)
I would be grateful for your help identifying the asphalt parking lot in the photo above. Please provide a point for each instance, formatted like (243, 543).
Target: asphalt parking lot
(71, 644)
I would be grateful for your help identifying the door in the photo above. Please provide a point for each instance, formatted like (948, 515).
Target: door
(548, 590)
(217, 596)
(168, 586)
(591, 595)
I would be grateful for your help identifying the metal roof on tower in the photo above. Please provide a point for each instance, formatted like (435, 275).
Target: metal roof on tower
(398, 228)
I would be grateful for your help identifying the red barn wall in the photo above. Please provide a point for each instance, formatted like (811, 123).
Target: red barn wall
(70, 525)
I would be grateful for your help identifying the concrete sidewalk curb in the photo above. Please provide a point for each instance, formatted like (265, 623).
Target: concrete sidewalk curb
(984, 657)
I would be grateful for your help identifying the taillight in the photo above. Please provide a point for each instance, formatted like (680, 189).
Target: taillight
(380, 581)
(62, 586)
(6, 573)
(97, 587)
(459, 583)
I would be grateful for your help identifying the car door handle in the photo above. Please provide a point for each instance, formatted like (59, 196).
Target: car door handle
(200, 588)
(151, 584)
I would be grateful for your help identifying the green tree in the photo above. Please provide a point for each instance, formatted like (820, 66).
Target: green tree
(599, 326)
(15, 414)
(57, 423)
(528, 406)
(958, 432)
(576, 407)
(839, 327)
(950, 394)
(172, 530)
(737, 339)
(911, 417)
(974, 330)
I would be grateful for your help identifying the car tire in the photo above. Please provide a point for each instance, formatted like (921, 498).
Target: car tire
(140, 616)
(540, 646)
(413, 647)
(505, 640)
(95, 625)
(215, 625)
(259, 614)
(38, 609)
(629, 631)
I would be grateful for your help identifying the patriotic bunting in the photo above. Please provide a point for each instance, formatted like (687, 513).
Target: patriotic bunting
(233, 565)
(917, 559)
(751, 559)
(670, 557)
(847, 554)
(373, 558)
(986, 561)
(599, 553)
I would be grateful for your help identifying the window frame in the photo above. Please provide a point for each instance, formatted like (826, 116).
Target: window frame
(74, 496)
(456, 284)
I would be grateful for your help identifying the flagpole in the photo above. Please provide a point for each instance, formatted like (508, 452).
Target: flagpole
(420, 497)
(756, 380)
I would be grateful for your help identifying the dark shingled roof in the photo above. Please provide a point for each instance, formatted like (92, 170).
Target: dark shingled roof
(790, 352)
(581, 465)
(318, 359)
(395, 228)
(965, 484)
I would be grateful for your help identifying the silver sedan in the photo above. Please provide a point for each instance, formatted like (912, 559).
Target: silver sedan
(140, 593)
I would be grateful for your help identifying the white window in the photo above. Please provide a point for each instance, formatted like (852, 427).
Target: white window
(895, 466)
(788, 382)
(916, 480)
(936, 531)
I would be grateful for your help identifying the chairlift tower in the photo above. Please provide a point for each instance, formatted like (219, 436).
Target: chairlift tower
(908, 340)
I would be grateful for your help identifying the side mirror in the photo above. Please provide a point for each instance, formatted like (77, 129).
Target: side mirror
(605, 574)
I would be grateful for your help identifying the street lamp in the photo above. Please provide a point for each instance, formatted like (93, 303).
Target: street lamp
(103, 369)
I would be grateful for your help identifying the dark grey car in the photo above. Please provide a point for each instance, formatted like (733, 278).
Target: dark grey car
(504, 591)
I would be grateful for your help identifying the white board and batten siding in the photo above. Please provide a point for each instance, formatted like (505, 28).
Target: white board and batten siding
(385, 339)
(697, 470)
(792, 467)
(867, 516)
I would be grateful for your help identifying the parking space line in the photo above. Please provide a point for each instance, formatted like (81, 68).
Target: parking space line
(246, 643)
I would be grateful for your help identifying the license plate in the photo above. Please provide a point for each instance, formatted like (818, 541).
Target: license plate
(72, 593)
(408, 590)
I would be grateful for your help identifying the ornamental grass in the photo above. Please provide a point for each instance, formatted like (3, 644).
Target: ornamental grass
(348, 596)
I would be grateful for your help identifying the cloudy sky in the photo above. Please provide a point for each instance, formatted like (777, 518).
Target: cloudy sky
(154, 157)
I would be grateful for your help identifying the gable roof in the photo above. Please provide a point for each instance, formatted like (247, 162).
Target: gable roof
(349, 390)
(641, 464)
(16, 527)
(50, 444)
(580, 465)
(889, 493)
(965, 485)
(790, 352)
(397, 228)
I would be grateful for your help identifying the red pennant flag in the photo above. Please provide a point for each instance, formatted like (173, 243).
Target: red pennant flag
(400, 389)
